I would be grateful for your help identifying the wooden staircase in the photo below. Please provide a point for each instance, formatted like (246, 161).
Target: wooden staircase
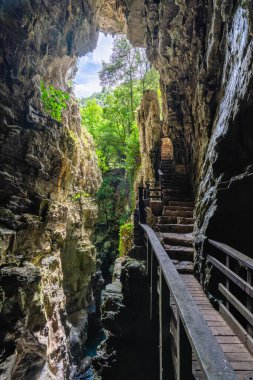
(174, 231)
(175, 226)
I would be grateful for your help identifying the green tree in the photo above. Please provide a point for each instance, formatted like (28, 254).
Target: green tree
(127, 64)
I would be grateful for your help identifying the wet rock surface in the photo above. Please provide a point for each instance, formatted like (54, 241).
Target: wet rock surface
(46, 255)
(128, 351)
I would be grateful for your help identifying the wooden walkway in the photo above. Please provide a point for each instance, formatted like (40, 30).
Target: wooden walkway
(239, 357)
(204, 343)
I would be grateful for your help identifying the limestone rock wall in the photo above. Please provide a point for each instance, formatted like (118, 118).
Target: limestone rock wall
(48, 178)
(203, 51)
(149, 125)
(129, 352)
(46, 255)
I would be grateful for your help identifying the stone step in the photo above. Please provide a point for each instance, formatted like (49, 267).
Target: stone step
(175, 220)
(173, 184)
(168, 199)
(182, 203)
(176, 177)
(172, 191)
(178, 208)
(176, 191)
(183, 267)
(180, 213)
(180, 228)
(177, 194)
(172, 238)
(179, 253)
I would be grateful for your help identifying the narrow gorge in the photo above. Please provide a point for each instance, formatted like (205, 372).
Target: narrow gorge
(143, 246)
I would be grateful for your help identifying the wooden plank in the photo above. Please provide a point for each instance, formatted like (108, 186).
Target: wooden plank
(243, 259)
(244, 375)
(222, 331)
(216, 323)
(213, 317)
(239, 330)
(209, 354)
(228, 339)
(240, 356)
(243, 366)
(233, 277)
(237, 304)
(231, 347)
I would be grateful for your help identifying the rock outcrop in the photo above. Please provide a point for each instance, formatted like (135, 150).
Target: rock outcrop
(47, 257)
(149, 125)
(203, 51)
(48, 178)
(128, 352)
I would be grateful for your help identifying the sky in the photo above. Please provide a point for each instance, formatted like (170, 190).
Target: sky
(87, 79)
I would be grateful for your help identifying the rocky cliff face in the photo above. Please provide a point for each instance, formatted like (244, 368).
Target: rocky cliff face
(130, 349)
(48, 178)
(203, 51)
(46, 254)
(150, 126)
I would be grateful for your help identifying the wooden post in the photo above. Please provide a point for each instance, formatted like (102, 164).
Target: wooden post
(227, 279)
(153, 285)
(249, 300)
(142, 206)
(164, 328)
(184, 353)
(148, 258)
(148, 191)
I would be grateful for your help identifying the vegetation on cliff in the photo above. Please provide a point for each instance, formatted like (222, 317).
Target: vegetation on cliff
(110, 117)
(54, 100)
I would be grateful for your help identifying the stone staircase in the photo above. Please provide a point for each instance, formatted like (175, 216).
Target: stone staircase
(174, 228)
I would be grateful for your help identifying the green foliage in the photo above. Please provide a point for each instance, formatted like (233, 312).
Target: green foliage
(54, 101)
(115, 132)
(125, 238)
(112, 198)
(110, 117)
(78, 196)
(128, 66)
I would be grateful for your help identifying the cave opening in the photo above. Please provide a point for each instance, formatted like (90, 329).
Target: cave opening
(77, 148)
(109, 84)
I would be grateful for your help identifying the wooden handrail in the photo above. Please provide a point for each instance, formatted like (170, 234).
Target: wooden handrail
(244, 285)
(211, 358)
(240, 257)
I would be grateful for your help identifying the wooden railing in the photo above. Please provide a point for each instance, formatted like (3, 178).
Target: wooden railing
(145, 195)
(235, 288)
(193, 333)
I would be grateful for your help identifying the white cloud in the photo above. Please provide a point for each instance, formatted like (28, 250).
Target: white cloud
(87, 79)
(104, 48)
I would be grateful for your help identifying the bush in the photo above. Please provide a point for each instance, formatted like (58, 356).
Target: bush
(125, 238)
(53, 100)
